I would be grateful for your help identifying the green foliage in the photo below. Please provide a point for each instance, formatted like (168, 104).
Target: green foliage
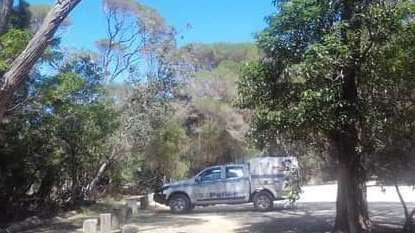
(293, 196)
(15, 39)
(297, 89)
(336, 75)
(130, 167)
(209, 56)
(12, 43)
(59, 140)
(215, 128)
(80, 120)
(62, 84)
(165, 150)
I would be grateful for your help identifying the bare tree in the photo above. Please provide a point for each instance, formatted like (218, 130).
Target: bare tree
(21, 66)
(135, 35)
(139, 46)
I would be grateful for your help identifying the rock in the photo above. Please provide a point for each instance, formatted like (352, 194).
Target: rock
(34, 221)
(129, 229)
(57, 219)
(28, 223)
(69, 214)
(14, 228)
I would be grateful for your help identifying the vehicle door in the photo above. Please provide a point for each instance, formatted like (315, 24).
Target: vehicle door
(210, 186)
(237, 184)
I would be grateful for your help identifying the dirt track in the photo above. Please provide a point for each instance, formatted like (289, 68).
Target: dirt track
(315, 213)
(307, 217)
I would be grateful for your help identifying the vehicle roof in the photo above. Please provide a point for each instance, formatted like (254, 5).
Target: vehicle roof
(227, 164)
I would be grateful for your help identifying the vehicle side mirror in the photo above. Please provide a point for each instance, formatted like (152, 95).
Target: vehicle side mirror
(198, 179)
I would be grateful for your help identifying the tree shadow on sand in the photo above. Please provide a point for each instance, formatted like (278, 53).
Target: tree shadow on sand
(163, 219)
(319, 218)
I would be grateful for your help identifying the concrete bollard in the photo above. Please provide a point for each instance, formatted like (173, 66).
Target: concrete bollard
(90, 226)
(132, 204)
(105, 223)
(118, 217)
(144, 203)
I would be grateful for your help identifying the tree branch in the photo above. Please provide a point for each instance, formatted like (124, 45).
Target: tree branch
(21, 66)
(405, 208)
(21, 103)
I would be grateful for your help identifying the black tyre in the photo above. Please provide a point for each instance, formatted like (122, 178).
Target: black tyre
(179, 203)
(263, 201)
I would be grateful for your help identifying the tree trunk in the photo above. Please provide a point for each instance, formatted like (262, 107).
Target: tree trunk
(6, 8)
(47, 184)
(352, 213)
(74, 177)
(4, 103)
(409, 225)
(115, 154)
(91, 186)
(21, 66)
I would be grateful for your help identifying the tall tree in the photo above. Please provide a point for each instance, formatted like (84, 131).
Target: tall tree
(21, 65)
(139, 50)
(330, 70)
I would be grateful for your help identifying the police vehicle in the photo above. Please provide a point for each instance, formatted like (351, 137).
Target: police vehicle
(260, 180)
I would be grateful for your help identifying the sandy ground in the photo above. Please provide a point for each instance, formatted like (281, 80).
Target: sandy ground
(327, 193)
(314, 213)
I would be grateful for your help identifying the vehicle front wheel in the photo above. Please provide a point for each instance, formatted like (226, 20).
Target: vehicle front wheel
(192, 207)
(179, 204)
(263, 201)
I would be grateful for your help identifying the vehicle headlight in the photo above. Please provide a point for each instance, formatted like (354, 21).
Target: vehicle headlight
(165, 188)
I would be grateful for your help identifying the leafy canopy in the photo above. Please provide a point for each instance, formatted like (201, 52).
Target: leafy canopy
(296, 89)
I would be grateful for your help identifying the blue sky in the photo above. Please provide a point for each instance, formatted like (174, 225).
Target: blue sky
(211, 20)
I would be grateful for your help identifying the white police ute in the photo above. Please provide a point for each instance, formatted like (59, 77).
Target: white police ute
(260, 180)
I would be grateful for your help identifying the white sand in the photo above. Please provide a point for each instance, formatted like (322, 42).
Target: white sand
(327, 193)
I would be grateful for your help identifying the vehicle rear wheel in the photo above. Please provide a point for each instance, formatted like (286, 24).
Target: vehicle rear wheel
(179, 204)
(263, 201)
